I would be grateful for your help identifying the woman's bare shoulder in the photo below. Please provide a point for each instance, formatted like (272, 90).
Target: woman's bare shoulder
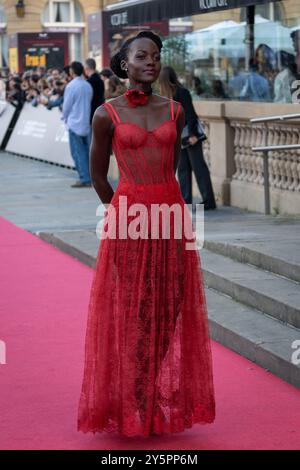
(102, 118)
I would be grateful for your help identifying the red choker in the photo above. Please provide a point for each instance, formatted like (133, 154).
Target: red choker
(136, 97)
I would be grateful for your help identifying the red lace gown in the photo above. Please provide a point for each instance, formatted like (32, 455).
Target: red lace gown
(148, 363)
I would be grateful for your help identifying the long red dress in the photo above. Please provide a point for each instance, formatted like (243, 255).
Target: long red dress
(148, 363)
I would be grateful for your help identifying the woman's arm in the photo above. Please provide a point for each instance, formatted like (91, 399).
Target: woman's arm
(177, 147)
(100, 151)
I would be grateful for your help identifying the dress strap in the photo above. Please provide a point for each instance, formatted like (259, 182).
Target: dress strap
(172, 110)
(112, 112)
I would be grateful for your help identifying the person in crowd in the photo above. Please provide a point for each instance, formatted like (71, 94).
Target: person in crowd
(115, 87)
(97, 84)
(295, 36)
(237, 82)
(56, 98)
(2, 88)
(199, 90)
(285, 78)
(66, 74)
(16, 96)
(266, 62)
(76, 114)
(55, 73)
(43, 93)
(41, 71)
(191, 157)
(256, 87)
(33, 92)
(265, 58)
(105, 74)
(218, 91)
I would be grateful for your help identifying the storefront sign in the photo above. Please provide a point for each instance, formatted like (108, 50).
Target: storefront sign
(42, 49)
(139, 13)
(63, 29)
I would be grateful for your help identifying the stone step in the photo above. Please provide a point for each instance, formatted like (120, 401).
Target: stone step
(262, 290)
(260, 255)
(256, 336)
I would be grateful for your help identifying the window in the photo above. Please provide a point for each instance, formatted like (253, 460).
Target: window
(2, 16)
(221, 61)
(269, 11)
(61, 12)
(58, 11)
(65, 15)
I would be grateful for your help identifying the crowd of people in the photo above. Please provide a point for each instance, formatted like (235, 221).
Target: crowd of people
(270, 77)
(77, 90)
(47, 86)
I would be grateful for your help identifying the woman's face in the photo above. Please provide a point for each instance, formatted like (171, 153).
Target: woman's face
(143, 61)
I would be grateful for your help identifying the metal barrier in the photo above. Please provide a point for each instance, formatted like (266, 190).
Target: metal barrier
(265, 149)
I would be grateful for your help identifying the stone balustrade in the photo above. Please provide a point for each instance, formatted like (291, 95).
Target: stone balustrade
(237, 171)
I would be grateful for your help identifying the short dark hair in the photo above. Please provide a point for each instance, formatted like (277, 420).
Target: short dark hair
(91, 63)
(106, 72)
(35, 78)
(123, 52)
(77, 68)
(66, 69)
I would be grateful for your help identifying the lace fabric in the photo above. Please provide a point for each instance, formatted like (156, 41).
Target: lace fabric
(148, 363)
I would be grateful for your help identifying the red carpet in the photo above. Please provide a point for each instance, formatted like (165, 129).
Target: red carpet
(43, 306)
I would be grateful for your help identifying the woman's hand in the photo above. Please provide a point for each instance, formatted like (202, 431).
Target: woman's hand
(193, 140)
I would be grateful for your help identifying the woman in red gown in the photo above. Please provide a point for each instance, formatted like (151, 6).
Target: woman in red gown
(148, 363)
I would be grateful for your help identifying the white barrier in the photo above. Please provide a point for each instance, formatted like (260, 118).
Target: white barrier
(40, 133)
(6, 113)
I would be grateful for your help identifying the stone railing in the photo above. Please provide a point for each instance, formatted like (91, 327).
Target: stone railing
(237, 171)
(206, 144)
(283, 165)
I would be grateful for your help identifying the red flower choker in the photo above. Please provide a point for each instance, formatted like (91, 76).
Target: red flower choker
(136, 97)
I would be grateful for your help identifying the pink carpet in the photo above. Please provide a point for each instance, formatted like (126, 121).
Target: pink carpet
(43, 306)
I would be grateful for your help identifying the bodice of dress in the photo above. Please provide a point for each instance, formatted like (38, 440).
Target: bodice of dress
(144, 157)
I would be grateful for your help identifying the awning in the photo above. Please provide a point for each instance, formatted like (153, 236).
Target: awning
(137, 12)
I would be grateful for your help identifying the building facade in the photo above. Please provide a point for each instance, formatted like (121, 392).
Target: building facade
(65, 22)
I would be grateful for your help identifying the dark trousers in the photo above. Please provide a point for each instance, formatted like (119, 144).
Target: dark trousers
(191, 159)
